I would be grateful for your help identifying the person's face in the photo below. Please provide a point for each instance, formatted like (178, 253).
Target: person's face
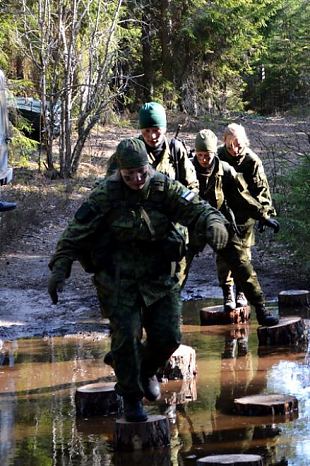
(153, 136)
(135, 178)
(233, 146)
(205, 159)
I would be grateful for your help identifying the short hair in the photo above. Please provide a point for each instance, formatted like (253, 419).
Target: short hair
(237, 131)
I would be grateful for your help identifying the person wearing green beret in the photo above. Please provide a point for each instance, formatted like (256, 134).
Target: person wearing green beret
(127, 225)
(227, 190)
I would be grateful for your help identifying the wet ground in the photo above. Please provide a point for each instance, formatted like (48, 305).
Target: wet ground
(39, 377)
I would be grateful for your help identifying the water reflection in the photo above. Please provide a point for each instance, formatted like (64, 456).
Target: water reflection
(39, 426)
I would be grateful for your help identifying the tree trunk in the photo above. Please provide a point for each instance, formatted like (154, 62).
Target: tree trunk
(266, 405)
(131, 436)
(289, 331)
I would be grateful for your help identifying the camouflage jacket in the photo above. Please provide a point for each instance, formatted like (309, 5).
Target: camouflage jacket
(251, 167)
(173, 162)
(226, 190)
(130, 235)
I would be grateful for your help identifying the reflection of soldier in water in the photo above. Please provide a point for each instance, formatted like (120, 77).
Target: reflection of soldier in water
(239, 377)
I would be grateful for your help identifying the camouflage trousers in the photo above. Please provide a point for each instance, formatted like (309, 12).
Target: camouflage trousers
(142, 337)
(234, 265)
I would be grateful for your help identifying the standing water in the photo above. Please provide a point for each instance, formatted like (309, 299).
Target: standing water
(39, 377)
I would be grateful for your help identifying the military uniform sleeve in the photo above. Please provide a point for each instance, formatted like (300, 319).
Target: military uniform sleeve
(258, 185)
(186, 207)
(79, 234)
(238, 197)
(187, 172)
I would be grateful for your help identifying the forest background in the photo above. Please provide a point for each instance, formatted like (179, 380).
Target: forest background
(92, 63)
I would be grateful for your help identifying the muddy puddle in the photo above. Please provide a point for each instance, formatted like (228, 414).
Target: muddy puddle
(39, 377)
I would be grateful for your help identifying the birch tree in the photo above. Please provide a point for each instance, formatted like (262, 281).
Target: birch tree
(73, 44)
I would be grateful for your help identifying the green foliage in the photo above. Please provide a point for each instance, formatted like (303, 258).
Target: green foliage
(286, 60)
(295, 218)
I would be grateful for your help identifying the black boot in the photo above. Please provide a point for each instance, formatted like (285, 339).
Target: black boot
(133, 410)
(5, 206)
(264, 317)
(229, 298)
(150, 387)
(241, 300)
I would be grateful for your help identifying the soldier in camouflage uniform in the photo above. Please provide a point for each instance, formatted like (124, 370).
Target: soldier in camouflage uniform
(236, 152)
(166, 157)
(225, 189)
(127, 227)
(169, 158)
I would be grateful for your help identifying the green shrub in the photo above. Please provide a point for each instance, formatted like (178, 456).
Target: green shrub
(295, 216)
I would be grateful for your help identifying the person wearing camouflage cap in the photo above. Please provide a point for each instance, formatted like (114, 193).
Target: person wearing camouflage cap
(126, 227)
(225, 189)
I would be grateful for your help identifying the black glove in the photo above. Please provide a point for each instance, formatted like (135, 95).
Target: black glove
(56, 284)
(217, 236)
(269, 222)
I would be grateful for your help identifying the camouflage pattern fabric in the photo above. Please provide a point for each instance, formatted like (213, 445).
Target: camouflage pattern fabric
(135, 272)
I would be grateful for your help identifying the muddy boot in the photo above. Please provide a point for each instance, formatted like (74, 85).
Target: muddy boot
(264, 317)
(133, 410)
(229, 298)
(241, 300)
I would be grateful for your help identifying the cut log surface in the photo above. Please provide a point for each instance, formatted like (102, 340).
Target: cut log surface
(97, 399)
(294, 300)
(231, 460)
(215, 315)
(289, 331)
(131, 436)
(181, 365)
(265, 405)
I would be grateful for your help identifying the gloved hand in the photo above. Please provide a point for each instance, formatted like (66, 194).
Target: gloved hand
(56, 284)
(217, 236)
(269, 222)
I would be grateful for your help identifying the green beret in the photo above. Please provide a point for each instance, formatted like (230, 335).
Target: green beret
(131, 153)
(206, 141)
(152, 115)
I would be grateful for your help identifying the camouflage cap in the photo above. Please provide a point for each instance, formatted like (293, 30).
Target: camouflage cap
(131, 153)
(206, 141)
(152, 115)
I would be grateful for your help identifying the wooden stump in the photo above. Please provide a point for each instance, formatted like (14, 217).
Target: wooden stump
(231, 460)
(216, 315)
(289, 331)
(294, 300)
(266, 405)
(181, 365)
(97, 399)
(131, 436)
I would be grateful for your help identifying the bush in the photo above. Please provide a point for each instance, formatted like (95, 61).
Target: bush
(295, 217)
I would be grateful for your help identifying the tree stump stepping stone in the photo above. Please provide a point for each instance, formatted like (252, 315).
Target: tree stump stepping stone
(266, 405)
(97, 399)
(216, 315)
(294, 300)
(231, 460)
(289, 331)
(131, 436)
(181, 365)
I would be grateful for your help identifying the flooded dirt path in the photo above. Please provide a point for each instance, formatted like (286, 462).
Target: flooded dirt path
(39, 377)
